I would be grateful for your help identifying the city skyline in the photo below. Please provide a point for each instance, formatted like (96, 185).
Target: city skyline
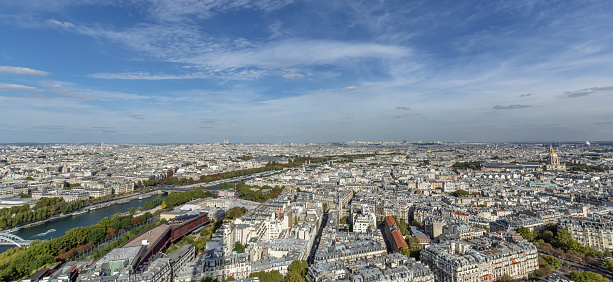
(305, 71)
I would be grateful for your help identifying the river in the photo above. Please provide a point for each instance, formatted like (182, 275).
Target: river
(54, 229)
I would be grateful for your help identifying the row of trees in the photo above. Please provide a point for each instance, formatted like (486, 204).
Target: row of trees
(20, 262)
(44, 208)
(177, 198)
(254, 193)
(560, 243)
(152, 203)
(72, 206)
(586, 168)
(467, 165)
(552, 237)
(224, 185)
(171, 180)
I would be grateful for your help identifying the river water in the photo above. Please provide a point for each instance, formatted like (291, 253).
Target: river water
(54, 229)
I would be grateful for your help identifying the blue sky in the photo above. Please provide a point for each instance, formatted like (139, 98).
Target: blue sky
(199, 71)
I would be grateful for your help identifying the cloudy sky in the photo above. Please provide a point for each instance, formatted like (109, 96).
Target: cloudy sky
(200, 71)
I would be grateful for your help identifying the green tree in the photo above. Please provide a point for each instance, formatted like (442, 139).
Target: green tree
(230, 279)
(525, 233)
(299, 266)
(294, 277)
(564, 240)
(96, 235)
(608, 264)
(553, 261)
(587, 276)
(461, 193)
(238, 247)
(273, 276)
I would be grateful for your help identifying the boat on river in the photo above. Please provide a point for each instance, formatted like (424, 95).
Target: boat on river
(13, 230)
(81, 212)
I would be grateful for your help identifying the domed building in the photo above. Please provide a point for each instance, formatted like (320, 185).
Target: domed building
(553, 163)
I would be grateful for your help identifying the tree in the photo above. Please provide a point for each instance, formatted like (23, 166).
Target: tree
(553, 261)
(587, 276)
(565, 240)
(96, 235)
(525, 233)
(238, 247)
(299, 266)
(273, 276)
(231, 278)
(294, 277)
(461, 193)
(608, 264)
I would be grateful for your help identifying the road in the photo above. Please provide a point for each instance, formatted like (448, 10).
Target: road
(217, 182)
(324, 222)
(583, 266)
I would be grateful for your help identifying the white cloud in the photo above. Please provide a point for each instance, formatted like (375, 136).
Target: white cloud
(136, 116)
(62, 24)
(19, 70)
(74, 91)
(180, 10)
(292, 73)
(296, 53)
(144, 76)
(16, 87)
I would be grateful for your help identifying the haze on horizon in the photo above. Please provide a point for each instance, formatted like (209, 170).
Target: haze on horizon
(189, 71)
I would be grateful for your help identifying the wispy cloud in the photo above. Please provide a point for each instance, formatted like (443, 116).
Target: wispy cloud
(136, 116)
(17, 87)
(87, 94)
(525, 95)
(511, 107)
(350, 88)
(292, 73)
(297, 53)
(62, 24)
(403, 108)
(146, 76)
(276, 30)
(586, 92)
(180, 10)
(19, 70)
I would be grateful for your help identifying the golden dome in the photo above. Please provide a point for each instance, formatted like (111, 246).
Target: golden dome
(552, 153)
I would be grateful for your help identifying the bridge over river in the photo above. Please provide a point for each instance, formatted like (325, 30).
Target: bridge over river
(8, 239)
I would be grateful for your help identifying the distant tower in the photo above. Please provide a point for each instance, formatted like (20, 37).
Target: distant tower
(553, 163)
(101, 144)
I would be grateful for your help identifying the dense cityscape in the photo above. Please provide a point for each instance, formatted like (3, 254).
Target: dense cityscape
(354, 211)
(306, 140)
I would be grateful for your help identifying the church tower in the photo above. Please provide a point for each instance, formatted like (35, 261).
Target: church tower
(553, 163)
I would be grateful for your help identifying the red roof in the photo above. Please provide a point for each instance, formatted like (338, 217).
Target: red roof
(400, 242)
(389, 221)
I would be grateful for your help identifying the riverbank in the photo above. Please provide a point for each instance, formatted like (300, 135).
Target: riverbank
(115, 201)
(53, 229)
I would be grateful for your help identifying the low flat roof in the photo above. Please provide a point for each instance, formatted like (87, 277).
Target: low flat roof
(152, 236)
